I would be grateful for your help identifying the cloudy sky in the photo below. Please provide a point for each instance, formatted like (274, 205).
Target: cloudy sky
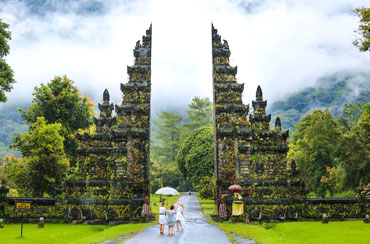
(283, 45)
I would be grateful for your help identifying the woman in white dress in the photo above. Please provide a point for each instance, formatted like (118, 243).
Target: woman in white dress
(162, 218)
(180, 215)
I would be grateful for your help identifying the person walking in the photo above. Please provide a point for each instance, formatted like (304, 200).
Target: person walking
(171, 219)
(180, 219)
(162, 218)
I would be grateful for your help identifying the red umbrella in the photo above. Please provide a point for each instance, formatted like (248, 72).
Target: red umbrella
(235, 188)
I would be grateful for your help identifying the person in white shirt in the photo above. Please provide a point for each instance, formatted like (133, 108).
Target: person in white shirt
(162, 218)
(180, 216)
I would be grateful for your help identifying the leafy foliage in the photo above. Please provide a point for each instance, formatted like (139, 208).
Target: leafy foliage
(341, 147)
(61, 102)
(45, 162)
(166, 138)
(206, 187)
(314, 146)
(362, 40)
(350, 116)
(196, 155)
(199, 113)
(11, 175)
(355, 151)
(6, 73)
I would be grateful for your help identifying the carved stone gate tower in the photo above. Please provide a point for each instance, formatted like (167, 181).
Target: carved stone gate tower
(247, 152)
(232, 128)
(112, 175)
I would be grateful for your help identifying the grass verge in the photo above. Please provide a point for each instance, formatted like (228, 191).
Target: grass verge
(66, 233)
(75, 234)
(302, 232)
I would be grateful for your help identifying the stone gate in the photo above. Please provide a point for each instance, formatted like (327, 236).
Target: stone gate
(111, 179)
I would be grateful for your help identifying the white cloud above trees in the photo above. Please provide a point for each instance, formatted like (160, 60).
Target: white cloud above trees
(283, 45)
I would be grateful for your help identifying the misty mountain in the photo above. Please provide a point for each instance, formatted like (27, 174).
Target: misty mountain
(331, 92)
(11, 125)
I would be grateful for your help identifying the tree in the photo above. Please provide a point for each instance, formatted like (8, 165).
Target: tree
(199, 113)
(355, 151)
(362, 40)
(206, 187)
(350, 116)
(195, 158)
(166, 137)
(6, 73)
(314, 146)
(12, 175)
(45, 162)
(61, 102)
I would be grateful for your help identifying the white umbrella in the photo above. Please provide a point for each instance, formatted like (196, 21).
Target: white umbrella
(168, 191)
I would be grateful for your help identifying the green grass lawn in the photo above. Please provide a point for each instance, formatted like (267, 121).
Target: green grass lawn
(302, 232)
(74, 234)
(66, 233)
(305, 232)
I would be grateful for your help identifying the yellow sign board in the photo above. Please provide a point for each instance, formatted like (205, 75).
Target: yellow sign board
(23, 205)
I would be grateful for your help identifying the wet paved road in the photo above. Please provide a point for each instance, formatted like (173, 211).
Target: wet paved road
(197, 229)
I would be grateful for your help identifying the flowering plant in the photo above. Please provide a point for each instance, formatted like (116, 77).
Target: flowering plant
(366, 190)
